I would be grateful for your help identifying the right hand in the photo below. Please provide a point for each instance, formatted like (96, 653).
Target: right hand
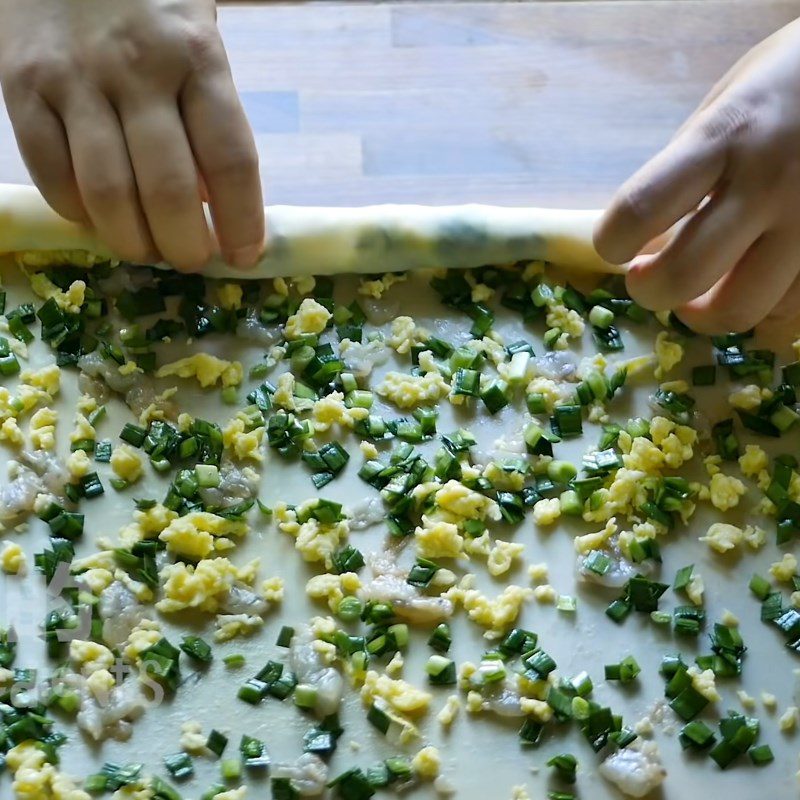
(127, 118)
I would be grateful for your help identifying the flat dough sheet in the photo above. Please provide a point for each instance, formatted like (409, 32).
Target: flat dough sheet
(481, 756)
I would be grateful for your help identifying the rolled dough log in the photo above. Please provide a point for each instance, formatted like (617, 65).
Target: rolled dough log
(371, 239)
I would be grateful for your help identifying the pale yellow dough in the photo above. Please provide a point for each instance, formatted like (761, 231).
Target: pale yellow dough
(386, 238)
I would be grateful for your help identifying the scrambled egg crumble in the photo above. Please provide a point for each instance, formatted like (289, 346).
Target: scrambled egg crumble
(37, 779)
(311, 319)
(202, 586)
(668, 355)
(12, 558)
(199, 533)
(410, 391)
(403, 697)
(206, 368)
(496, 615)
(42, 428)
(126, 463)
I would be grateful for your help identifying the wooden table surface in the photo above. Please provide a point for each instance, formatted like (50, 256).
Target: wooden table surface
(549, 103)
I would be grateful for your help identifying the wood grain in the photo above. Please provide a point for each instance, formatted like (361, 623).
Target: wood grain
(549, 103)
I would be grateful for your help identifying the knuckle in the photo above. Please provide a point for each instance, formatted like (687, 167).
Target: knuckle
(105, 192)
(37, 72)
(203, 46)
(727, 121)
(170, 193)
(234, 165)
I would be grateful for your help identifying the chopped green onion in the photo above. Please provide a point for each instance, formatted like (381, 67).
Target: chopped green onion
(196, 648)
(624, 672)
(216, 742)
(179, 766)
(566, 421)
(682, 578)
(349, 609)
(285, 636)
(761, 755)
(441, 670)
(565, 764)
(760, 587)
(441, 638)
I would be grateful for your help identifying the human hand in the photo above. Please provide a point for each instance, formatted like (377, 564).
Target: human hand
(127, 118)
(732, 173)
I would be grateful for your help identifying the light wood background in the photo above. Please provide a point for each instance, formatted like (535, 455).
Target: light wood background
(550, 103)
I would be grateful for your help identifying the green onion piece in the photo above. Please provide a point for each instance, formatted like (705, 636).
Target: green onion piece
(597, 562)
(565, 764)
(422, 573)
(196, 648)
(661, 617)
(161, 662)
(761, 755)
(760, 587)
(441, 639)
(234, 661)
(230, 769)
(561, 471)
(349, 609)
(531, 732)
(207, 476)
(305, 696)
(282, 789)
(285, 636)
(253, 691)
(567, 604)
(378, 718)
(496, 396)
(566, 421)
(179, 766)
(352, 785)
(601, 317)
(571, 504)
(466, 382)
(102, 451)
(682, 578)
(133, 434)
(254, 753)
(348, 559)
(581, 684)
(619, 609)
(688, 703)
(624, 672)
(696, 735)
(216, 742)
(441, 671)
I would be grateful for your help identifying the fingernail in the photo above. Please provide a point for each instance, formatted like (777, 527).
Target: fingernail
(244, 257)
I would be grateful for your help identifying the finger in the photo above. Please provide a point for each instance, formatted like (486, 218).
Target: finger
(717, 90)
(105, 178)
(667, 188)
(43, 145)
(710, 244)
(788, 307)
(168, 183)
(223, 144)
(747, 294)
